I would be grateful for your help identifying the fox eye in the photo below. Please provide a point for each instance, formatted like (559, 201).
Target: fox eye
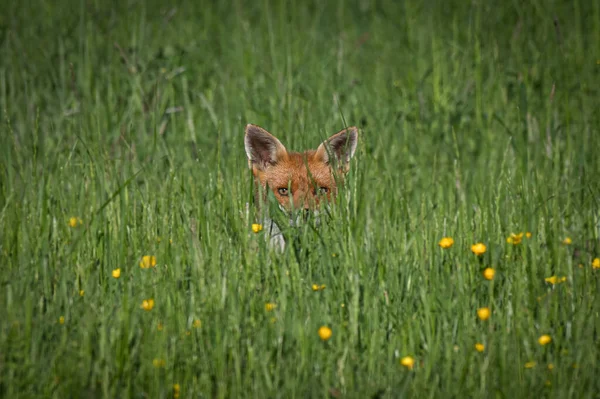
(323, 190)
(282, 191)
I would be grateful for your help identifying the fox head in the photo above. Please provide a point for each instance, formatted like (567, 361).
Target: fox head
(299, 180)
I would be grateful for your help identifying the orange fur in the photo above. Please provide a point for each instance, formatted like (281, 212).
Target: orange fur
(308, 177)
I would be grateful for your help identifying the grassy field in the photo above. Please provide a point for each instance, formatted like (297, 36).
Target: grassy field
(128, 265)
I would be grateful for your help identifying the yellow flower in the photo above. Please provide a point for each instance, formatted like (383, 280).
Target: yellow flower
(61, 319)
(407, 362)
(81, 292)
(478, 249)
(322, 287)
(596, 263)
(530, 365)
(256, 227)
(555, 280)
(148, 304)
(160, 326)
(446, 242)
(544, 339)
(116, 273)
(197, 323)
(74, 221)
(479, 347)
(316, 287)
(567, 241)
(515, 239)
(158, 363)
(176, 391)
(528, 234)
(488, 273)
(324, 333)
(484, 313)
(550, 366)
(270, 306)
(148, 261)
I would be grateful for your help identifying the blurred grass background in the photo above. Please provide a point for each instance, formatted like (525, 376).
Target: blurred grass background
(477, 120)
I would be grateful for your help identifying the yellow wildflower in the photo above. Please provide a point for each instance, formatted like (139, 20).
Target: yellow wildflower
(315, 287)
(197, 323)
(446, 242)
(148, 304)
(74, 221)
(81, 292)
(408, 362)
(489, 273)
(567, 241)
(116, 273)
(596, 263)
(324, 333)
(160, 326)
(515, 239)
(483, 313)
(478, 249)
(158, 363)
(176, 391)
(61, 319)
(545, 339)
(479, 347)
(555, 280)
(256, 227)
(550, 366)
(270, 306)
(530, 365)
(528, 234)
(148, 261)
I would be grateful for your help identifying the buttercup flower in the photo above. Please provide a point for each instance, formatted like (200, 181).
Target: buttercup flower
(116, 273)
(324, 333)
(528, 234)
(515, 239)
(61, 319)
(269, 306)
(148, 261)
(545, 339)
(256, 227)
(176, 391)
(74, 221)
(446, 242)
(81, 292)
(316, 287)
(550, 366)
(489, 273)
(596, 263)
(407, 362)
(483, 313)
(567, 241)
(555, 280)
(148, 304)
(197, 323)
(478, 249)
(530, 365)
(479, 347)
(158, 363)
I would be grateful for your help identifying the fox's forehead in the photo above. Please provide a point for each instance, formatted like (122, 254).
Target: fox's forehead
(299, 169)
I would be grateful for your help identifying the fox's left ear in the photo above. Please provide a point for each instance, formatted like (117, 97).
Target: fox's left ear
(341, 145)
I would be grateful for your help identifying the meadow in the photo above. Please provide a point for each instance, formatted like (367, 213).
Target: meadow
(128, 262)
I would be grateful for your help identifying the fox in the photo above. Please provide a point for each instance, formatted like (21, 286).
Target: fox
(300, 181)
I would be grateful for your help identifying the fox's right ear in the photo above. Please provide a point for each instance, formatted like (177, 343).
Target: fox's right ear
(262, 148)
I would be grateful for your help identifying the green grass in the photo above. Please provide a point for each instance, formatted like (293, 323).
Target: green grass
(477, 119)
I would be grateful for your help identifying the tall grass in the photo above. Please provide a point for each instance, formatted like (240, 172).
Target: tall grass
(477, 120)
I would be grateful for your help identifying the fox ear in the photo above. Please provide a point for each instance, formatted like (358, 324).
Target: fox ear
(262, 148)
(341, 145)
